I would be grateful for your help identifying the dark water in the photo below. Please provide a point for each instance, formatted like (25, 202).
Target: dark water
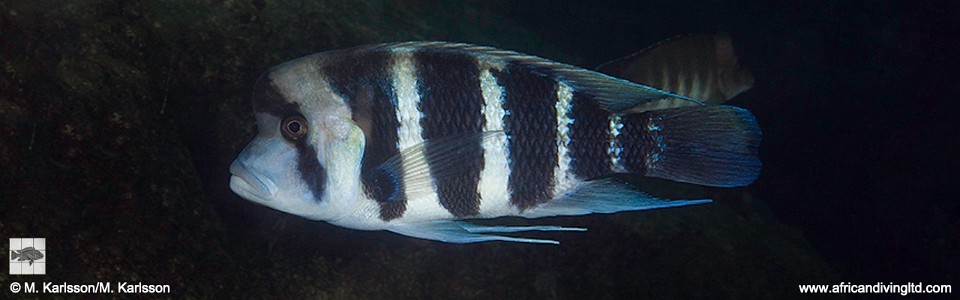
(118, 121)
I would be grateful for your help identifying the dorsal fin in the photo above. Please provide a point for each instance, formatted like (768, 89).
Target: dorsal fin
(611, 93)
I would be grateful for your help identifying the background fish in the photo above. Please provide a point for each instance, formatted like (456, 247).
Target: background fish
(28, 253)
(413, 137)
(703, 67)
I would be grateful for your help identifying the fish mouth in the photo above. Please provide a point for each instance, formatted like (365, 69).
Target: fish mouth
(247, 185)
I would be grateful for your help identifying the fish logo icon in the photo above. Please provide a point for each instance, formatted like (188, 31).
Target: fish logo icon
(28, 253)
(28, 256)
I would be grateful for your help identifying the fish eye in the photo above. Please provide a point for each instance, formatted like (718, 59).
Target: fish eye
(294, 128)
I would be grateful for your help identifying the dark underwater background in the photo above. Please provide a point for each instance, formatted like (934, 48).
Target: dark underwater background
(118, 121)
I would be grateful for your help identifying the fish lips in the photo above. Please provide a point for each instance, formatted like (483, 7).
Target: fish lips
(248, 185)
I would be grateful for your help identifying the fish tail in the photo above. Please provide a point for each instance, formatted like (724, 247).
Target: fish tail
(13, 255)
(707, 145)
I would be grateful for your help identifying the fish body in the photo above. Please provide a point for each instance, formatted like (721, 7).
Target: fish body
(416, 137)
(703, 67)
(28, 253)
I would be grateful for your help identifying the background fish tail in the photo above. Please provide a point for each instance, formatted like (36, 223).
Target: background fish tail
(708, 145)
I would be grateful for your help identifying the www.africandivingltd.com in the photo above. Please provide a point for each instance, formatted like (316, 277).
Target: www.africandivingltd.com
(877, 288)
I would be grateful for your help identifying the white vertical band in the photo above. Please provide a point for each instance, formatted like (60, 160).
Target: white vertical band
(614, 148)
(652, 153)
(562, 178)
(494, 178)
(422, 199)
(409, 132)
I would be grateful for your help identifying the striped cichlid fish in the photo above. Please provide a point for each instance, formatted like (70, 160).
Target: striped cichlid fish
(417, 137)
(703, 67)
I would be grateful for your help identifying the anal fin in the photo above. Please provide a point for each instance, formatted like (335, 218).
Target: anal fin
(463, 232)
(605, 195)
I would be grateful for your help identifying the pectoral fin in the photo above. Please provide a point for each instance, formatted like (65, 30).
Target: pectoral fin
(416, 166)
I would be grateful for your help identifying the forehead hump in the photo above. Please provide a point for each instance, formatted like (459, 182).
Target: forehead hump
(268, 99)
(286, 88)
(299, 83)
(300, 87)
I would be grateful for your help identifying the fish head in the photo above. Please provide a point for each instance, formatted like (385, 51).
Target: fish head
(306, 153)
(266, 164)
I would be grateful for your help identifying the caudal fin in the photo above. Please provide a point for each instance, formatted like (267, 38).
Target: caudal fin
(708, 145)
